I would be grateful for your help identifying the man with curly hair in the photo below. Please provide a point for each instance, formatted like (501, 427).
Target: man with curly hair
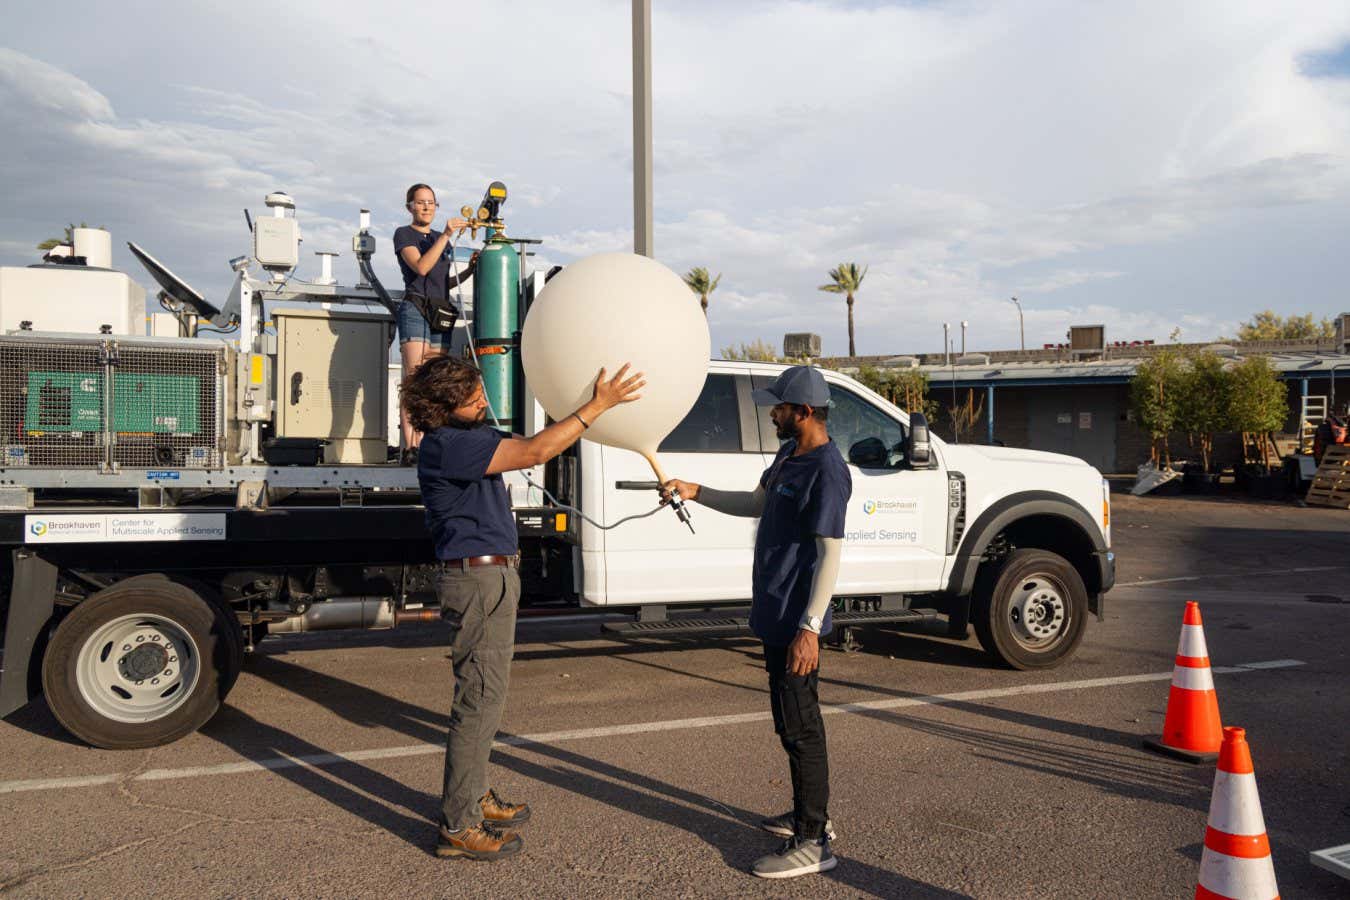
(459, 469)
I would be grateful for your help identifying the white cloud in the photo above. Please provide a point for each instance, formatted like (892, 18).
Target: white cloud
(1075, 155)
(1065, 278)
(50, 91)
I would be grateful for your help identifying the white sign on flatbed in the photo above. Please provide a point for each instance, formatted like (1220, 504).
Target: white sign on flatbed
(98, 527)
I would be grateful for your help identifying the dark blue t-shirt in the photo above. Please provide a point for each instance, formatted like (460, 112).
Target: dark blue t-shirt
(804, 496)
(468, 512)
(432, 284)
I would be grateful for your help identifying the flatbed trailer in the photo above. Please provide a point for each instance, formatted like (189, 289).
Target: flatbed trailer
(259, 548)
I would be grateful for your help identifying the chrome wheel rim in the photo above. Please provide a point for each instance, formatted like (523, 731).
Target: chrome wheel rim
(1038, 612)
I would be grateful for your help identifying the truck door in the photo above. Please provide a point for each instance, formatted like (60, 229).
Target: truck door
(895, 531)
(657, 560)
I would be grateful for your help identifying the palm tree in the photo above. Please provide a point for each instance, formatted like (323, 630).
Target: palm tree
(846, 280)
(701, 283)
(69, 238)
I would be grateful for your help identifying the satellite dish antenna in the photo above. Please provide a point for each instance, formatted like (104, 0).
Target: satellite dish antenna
(181, 298)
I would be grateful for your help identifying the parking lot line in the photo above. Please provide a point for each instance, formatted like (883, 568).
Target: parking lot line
(1182, 578)
(319, 760)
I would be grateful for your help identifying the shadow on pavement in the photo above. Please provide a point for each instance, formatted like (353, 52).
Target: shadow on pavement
(350, 786)
(537, 643)
(1126, 771)
(359, 790)
(733, 832)
(36, 718)
(635, 647)
(1016, 717)
(353, 702)
(913, 644)
(1131, 775)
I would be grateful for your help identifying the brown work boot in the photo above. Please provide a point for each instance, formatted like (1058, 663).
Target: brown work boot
(497, 812)
(479, 842)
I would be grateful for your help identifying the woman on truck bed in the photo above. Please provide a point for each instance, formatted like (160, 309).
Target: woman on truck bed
(422, 258)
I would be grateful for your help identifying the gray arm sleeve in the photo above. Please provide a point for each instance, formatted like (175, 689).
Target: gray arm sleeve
(828, 552)
(747, 504)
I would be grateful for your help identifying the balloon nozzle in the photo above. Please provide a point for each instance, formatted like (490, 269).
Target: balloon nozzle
(681, 511)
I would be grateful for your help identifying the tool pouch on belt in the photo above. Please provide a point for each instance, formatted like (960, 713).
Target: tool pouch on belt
(440, 313)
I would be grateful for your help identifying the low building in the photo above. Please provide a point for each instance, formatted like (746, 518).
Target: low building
(1067, 401)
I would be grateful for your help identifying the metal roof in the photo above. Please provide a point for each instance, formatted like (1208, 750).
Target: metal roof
(1292, 365)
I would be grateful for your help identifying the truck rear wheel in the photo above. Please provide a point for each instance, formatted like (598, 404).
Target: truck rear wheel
(1030, 609)
(139, 664)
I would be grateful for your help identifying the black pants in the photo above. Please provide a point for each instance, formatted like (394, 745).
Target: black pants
(796, 718)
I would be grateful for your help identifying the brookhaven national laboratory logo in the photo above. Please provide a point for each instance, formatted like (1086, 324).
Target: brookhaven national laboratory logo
(891, 506)
(38, 528)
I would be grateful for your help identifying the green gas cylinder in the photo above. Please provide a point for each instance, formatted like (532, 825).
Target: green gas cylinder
(496, 326)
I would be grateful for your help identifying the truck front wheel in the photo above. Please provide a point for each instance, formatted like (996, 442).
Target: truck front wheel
(139, 664)
(1030, 609)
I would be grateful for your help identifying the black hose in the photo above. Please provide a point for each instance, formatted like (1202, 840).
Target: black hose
(368, 272)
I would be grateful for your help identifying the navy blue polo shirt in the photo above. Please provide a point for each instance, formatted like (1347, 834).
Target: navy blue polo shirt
(468, 511)
(804, 496)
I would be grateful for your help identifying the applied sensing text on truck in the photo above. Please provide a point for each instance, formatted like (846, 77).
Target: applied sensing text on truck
(166, 500)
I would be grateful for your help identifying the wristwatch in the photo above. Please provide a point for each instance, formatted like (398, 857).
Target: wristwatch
(812, 623)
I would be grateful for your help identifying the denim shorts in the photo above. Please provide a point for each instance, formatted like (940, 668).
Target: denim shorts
(413, 327)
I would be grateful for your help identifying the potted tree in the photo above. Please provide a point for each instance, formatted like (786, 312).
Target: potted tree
(1154, 395)
(1202, 412)
(1257, 406)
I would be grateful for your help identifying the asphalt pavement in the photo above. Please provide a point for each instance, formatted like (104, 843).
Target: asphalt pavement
(649, 762)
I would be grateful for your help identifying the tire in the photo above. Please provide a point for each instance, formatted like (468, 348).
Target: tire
(231, 630)
(140, 664)
(1030, 609)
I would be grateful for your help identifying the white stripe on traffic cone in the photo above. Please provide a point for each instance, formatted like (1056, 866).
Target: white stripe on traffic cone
(1236, 863)
(1191, 729)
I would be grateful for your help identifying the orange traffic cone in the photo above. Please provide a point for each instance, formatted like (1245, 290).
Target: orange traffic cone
(1191, 730)
(1236, 864)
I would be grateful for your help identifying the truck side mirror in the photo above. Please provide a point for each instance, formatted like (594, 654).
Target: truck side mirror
(869, 453)
(919, 450)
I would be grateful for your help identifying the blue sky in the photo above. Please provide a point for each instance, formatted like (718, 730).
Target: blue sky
(1146, 165)
(1328, 64)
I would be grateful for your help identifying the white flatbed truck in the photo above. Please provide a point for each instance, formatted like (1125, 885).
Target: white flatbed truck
(133, 617)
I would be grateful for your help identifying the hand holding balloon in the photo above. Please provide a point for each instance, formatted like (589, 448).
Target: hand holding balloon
(618, 390)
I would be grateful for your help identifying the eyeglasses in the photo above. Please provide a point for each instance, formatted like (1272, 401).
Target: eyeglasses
(432, 203)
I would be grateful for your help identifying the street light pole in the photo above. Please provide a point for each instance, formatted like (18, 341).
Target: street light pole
(642, 127)
(1021, 328)
(946, 345)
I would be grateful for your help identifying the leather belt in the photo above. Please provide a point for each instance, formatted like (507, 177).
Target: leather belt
(511, 562)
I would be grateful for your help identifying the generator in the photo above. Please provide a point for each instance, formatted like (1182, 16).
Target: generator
(102, 402)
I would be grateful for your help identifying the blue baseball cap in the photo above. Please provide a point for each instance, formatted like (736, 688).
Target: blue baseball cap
(802, 385)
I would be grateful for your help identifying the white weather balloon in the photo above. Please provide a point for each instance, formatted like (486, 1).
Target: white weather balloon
(602, 312)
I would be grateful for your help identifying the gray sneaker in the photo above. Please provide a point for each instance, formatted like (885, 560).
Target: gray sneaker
(795, 857)
(785, 826)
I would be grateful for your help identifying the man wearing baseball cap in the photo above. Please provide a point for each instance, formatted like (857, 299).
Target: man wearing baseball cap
(800, 502)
